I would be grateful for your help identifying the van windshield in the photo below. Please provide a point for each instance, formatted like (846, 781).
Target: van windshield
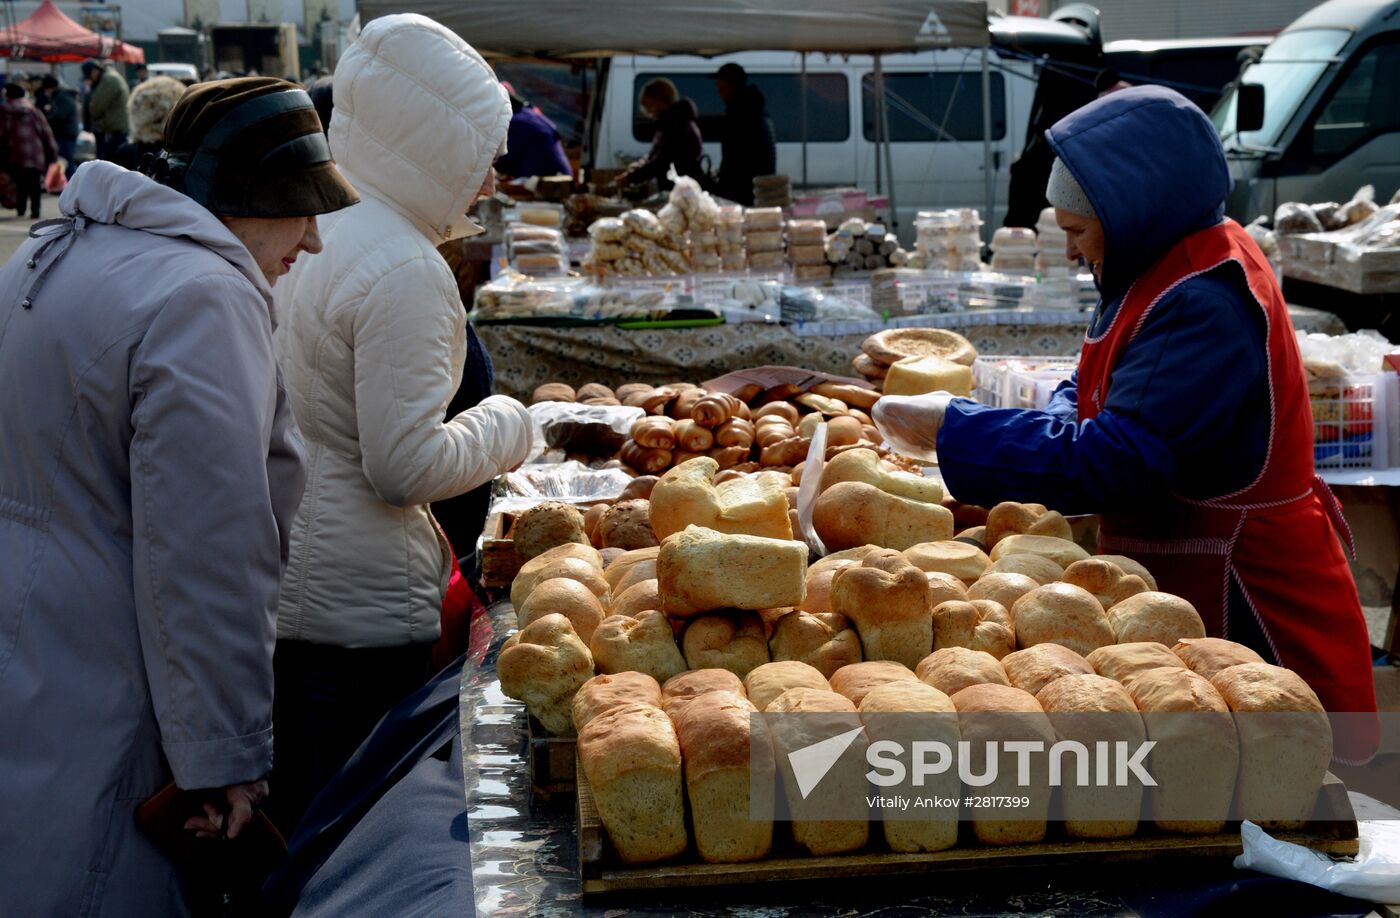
(1287, 71)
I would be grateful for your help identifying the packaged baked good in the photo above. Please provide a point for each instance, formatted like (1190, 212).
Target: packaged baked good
(764, 241)
(806, 232)
(766, 261)
(763, 219)
(644, 223)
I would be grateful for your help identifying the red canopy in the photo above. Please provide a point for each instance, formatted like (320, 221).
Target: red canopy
(48, 35)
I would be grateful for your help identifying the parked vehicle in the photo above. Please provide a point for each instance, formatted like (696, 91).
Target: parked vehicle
(1319, 115)
(1198, 68)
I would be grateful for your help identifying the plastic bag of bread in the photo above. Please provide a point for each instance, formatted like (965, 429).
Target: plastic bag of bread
(1360, 207)
(1293, 218)
(632, 759)
(673, 218)
(608, 229)
(729, 777)
(644, 223)
(764, 241)
(763, 219)
(806, 232)
(543, 665)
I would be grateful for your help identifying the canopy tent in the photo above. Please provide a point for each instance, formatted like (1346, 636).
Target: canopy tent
(48, 35)
(567, 29)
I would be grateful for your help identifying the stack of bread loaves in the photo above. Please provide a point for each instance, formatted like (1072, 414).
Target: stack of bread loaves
(910, 361)
(763, 238)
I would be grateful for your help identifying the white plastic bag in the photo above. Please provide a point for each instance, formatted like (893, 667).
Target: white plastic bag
(811, 489)
(1373, 875)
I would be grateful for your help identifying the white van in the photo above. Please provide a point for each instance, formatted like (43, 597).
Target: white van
(935, 119)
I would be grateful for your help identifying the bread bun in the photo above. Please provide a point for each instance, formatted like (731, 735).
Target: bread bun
(1061, 551)
(823, 640)
(1041, 570)
(639, 572)
(543, 665)
(601, 694)
(735, 641)
(1002, 588)
(1208, 655)
(1106, 580)
(892, 345)
(952, 669)
(1010, 518)
(574, 568)
(852, 513)
(961, 560)
(889, 608)
(566, 597)
(1131, 567)
(640, 597)
(857, 680)
(553, 392)
(819, 587)
(1159, 617)
(1059, 613)
(865, 465)
(546, 526)
(644, 644)
(1121, 662)
(962, 624)
(617, 571)
(627, 525)
(1036, 667)
(765, 683)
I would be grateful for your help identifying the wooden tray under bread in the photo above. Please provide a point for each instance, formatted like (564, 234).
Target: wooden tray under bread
(601, 873)
(552, 761)
(499, 561)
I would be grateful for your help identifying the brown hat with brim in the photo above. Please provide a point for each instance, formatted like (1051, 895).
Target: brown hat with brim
(251, 147)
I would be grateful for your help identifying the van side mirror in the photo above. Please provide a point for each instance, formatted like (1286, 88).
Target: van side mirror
(1249, 107)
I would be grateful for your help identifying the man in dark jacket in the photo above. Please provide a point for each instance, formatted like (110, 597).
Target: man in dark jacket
(61, 107)
(107, 101)
(747, 145)
(533, 146)
(29, 145)
(677, 141)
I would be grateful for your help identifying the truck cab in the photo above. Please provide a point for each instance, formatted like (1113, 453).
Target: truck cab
(1329, 121)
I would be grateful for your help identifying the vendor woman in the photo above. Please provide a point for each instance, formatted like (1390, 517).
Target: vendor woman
(1187, 424)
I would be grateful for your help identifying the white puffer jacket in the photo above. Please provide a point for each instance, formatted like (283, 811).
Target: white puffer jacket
(372, 337)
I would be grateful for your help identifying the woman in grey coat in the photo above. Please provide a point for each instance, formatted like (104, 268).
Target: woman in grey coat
(150, 472)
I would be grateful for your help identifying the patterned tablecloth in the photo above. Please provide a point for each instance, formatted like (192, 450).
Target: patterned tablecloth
(525, 853)
(526, 356)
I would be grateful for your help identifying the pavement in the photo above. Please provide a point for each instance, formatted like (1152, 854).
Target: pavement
(14, 230)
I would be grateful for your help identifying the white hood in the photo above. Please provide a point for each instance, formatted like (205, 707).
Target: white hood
(419, 118)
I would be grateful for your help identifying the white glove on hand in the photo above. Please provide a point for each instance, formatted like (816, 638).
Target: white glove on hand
(910, 422)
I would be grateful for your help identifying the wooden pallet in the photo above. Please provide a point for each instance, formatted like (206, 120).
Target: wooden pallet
(601, 873)
(499, 561)
(552, 761)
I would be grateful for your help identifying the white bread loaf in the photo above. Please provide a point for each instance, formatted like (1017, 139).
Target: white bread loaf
(700, 570)
(1159, 617)
(601, 694)
(1036, 667)
(842, 558)
(960, 559)
(1010, 518)
(1129, 566)
(677, 691)
(1041, 570)
(962, 624)
(1285, 743)
(583, 570)
(645, 644)
(638, 572)
(952, 669)
(632, 760)
(1208, 656)
(866, 465)
(818, 597)
(565, 597)
(735, 641)
(1091, 709)
(887, 600)
(1062, 551)
(1002, 588)
(640, 598)
(1120, 662)
(765, 683)
(823, 640)
(1195, 759)
(1106, 580)
(857, 680)
(687, 496)
(906, 713)
(729, 775)
(1002, 714)
(826, 714)
(543, 665)
(853, 513)
(1059, 613)
(618, 569)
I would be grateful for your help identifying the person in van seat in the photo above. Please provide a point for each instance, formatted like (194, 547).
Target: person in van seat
(746, 145)
(1188, 423)
(677, 142)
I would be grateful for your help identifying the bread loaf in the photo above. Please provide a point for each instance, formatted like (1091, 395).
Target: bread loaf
(906, 713)
(1285, 743)
(686, 495)
(632, 760)
(917, 375)
(545, 526)
(952, 669)
(735, 641)
(543, 665)
(961, 560)
(1195, 759)
(823, 640)
(640, 597)
(1059, 613)
(1208, 656)
(1036, 667)
(644, 644)
(856, 681)
(889, 608)
(729, 775)
(601, 694)
(1106, 580)
(865, 465)
(617, 570)
(895, 344)
(1129, 566)
(566, 597)
(640, 572)
(1062, 551)
(818, 597)
(1010, 518)
(1159, 617)
(765, 683)
(1091, 709)
(944, 588)
(854, 513)
(1002, 588)
(963, 624)
(825, 715)
(627, 525)
(586, 572)
(700, 569)
(1041, 570)
(1121, 662)
(1003, 714)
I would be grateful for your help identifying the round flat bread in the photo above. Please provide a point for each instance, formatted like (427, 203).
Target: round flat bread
(869, 368)
(894, 344)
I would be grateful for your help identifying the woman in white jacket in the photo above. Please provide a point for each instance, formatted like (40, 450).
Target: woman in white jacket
(372, 342)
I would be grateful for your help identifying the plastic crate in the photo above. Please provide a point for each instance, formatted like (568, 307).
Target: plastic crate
(1353, 422)
(1019, 382)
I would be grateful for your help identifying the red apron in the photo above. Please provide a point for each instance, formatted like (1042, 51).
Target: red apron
(1275, 538)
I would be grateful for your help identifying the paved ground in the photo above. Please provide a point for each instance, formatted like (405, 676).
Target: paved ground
(14, 230)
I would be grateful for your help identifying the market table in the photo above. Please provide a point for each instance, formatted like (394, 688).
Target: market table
(528, 355)
(524, 853)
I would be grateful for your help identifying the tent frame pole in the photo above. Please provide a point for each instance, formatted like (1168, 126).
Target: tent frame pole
(988, 168)
(883, 116)
(804, 119)
(879, 122)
